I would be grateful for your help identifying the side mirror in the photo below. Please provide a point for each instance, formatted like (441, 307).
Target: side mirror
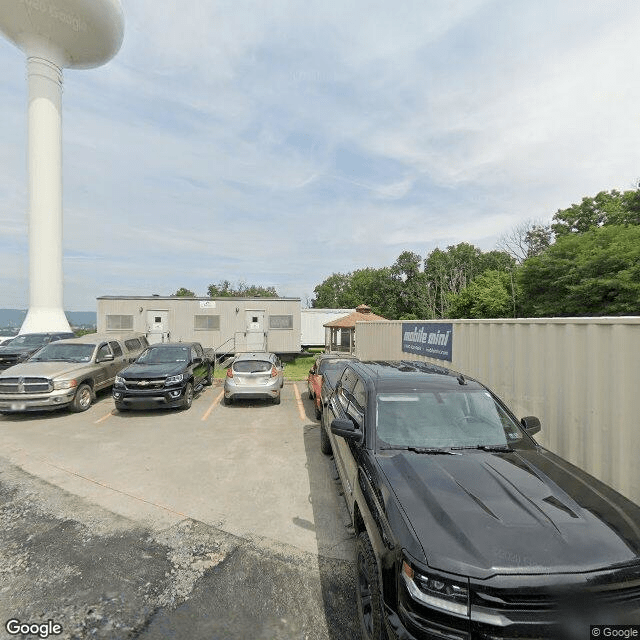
(346, 430)
(531, 424)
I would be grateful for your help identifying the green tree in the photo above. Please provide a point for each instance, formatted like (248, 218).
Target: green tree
(595, 272)
(224, 289)
(448, 272)
(606, 208)
(334, 292)
(410, 288)
(184, 293)
(489, 295)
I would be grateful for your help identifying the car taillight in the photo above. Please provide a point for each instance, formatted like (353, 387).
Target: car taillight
(274, 372)
(229, 373)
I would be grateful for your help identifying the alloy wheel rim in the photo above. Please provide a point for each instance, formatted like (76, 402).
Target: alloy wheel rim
(85, 398)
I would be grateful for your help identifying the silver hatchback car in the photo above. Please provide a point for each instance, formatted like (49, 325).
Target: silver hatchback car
(254, 375)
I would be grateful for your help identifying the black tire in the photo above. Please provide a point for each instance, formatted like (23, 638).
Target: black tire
(325, 443)
(209, 379)
(368, 592)
(83, 398)
(276, 400)
(227, 401)
(187, 398)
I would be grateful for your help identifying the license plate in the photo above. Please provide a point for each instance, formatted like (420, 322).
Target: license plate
(18, 406)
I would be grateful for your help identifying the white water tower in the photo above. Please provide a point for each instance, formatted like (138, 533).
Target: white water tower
(54, 34)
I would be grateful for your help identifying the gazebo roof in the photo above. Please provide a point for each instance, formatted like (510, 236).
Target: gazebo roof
(361, 314)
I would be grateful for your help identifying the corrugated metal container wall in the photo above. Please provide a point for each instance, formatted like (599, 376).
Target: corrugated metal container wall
(578, 375)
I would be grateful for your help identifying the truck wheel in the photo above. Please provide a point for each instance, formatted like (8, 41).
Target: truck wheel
(368, 593)
(187, 398)
(227, 401)
(325, 443)
(83, 398)
(276, 400)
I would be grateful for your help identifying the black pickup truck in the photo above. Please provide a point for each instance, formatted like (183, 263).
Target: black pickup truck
(22, 347)
(164, 375)
(466, 527)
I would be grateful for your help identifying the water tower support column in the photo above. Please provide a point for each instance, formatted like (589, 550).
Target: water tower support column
(46, 311)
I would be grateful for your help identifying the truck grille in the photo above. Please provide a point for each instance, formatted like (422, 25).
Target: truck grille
(25, 385)
(625, 594)
(145, 383)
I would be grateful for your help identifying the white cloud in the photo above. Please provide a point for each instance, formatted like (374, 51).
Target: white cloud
(278, 143)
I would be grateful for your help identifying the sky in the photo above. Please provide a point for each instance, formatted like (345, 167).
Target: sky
(279, 142)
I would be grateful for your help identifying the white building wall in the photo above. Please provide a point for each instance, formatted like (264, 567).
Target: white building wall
(231, 313)
(312, 323)
(578, 375)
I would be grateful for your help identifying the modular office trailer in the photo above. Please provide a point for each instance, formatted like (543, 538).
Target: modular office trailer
(231, 325)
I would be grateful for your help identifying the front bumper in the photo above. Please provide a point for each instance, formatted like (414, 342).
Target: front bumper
(522, 611)
(150, 398)
(19, 402)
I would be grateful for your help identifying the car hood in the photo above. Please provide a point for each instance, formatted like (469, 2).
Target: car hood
(481, 513)
(44, 369)
(138, 371)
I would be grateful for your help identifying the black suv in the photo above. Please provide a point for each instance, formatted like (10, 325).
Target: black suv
(164, 375)
(19, 349)
(466, 527)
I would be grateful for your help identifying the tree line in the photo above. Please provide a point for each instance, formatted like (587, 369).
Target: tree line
(585, 263)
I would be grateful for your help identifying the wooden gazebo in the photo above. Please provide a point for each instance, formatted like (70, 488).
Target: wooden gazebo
(340, 333)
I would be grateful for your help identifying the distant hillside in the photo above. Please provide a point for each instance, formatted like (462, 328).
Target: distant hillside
(15, 317)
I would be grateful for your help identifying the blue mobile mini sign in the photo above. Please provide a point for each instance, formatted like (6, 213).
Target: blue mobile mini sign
(430, 339)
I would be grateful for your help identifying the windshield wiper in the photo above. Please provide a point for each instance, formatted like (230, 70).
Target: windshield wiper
(434, 450)
(488, 447)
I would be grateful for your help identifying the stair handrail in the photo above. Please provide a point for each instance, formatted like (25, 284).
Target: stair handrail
(218, 351)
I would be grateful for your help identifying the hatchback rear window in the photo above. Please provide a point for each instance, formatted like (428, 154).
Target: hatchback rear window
(252, 366)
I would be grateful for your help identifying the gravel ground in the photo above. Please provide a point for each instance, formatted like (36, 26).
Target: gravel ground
(102, 576)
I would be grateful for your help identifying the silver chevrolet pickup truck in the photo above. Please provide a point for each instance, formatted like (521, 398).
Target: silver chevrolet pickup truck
(67, 373)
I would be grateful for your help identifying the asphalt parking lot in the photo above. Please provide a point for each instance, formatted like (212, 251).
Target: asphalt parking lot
(217, 522)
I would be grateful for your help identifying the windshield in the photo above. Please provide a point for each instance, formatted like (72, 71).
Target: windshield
(35, 340)
(64, 353)
(443, 419)
(252, 366)
(164, 355)
(333, 365)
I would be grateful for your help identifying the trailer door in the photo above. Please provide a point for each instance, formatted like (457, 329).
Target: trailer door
(254, 328)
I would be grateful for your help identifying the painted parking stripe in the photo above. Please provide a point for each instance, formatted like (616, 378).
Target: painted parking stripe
(99, 420)
(212, 406)
(303, 416)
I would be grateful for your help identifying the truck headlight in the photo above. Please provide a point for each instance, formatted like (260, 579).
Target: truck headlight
(118, 382)
(444, 594)
(174, 379)
(64, 384)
